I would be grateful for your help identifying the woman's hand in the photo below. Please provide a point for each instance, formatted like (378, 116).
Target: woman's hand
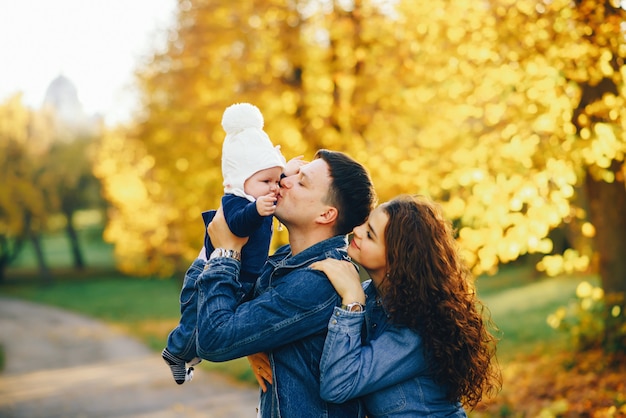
(221, 236)
(344, 277)
(262, 369)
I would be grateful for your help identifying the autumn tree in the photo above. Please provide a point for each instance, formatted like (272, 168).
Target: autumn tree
(600, 119)
(46, 171)
(296, 62)
(24, 137)
(540, 135)
(509, 112)
(68, 182)
(170, 170)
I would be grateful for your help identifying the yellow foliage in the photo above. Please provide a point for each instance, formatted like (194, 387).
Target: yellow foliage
(24, 136)
(479, 105)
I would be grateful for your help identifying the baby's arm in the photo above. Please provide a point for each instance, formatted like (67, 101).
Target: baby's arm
(241, 215)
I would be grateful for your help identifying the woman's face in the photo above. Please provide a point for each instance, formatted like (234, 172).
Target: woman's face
(368, 245)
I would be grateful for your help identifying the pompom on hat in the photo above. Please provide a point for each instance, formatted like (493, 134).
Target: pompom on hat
(246, 149)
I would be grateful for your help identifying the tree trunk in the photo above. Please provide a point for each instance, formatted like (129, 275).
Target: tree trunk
(607, 212)
(9, 250)
(44, 271)
(4, 258)
(77, 254)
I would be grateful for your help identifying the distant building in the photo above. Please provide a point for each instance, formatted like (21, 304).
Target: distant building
(71, 120)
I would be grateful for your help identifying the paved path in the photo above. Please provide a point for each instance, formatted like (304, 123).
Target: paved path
(59, 364)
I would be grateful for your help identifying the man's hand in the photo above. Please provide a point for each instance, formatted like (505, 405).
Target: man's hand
(221, 236)
(266, 205)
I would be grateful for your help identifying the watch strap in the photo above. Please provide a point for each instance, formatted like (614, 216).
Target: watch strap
(222, 252)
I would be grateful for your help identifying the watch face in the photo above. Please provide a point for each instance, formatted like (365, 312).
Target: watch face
(354, 307)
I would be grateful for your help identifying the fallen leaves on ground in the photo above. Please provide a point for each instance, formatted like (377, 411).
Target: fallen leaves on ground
(568, 385)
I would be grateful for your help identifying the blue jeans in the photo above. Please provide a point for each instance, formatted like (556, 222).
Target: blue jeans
(182, 340)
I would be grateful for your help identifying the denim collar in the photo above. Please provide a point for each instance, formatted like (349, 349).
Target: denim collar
(282, 258)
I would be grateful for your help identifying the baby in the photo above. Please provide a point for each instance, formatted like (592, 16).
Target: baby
(252, 169)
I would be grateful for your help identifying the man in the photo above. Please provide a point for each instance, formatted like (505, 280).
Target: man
(292, 303)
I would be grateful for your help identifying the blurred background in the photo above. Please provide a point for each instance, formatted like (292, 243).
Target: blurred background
(511, 114)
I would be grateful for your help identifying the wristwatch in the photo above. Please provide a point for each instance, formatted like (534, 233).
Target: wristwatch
(221, 252)
(353, 307)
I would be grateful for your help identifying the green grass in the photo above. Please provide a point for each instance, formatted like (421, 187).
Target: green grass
(508, 277)
(56, 249)
(113, 299)
(149, 308)
(518, 300)
(146, 308)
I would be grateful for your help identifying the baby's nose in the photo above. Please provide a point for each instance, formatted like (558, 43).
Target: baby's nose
(284, 183)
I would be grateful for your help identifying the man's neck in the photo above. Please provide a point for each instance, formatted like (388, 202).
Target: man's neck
(301, 240)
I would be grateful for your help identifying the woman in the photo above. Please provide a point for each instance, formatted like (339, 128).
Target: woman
(411, 341)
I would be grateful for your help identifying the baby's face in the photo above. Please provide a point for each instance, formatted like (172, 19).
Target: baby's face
(263, 182)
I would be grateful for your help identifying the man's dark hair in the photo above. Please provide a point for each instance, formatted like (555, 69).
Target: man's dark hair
(351, 190)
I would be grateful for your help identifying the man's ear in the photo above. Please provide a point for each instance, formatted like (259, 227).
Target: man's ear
(328, 216)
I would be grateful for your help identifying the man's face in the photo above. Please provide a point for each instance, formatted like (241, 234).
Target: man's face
(301, 196)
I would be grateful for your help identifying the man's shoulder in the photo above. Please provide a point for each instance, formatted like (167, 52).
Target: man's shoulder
(305, 286)
(282, 251)
(334, 247)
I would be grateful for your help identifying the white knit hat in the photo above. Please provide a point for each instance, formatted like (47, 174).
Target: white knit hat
(247, 148)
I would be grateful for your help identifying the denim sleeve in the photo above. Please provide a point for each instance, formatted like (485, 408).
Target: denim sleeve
(296, 306)
(349, 369)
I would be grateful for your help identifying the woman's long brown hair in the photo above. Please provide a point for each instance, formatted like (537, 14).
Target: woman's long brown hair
(430, 290)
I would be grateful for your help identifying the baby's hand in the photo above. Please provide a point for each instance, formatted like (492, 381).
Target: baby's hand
(293, 166)
(266, 205)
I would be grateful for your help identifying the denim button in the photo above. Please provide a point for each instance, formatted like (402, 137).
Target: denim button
(337, 313)
(334, 322)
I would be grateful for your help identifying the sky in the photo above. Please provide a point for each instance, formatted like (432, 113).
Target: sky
(97, 44)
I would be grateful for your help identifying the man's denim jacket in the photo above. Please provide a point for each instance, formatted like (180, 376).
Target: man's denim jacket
(382, 363)
(287, 318)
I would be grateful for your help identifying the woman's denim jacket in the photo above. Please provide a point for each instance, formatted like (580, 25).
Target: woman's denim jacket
(287, 318)
(382, 363)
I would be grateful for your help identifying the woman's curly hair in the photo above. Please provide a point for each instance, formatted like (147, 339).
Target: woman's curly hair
(429, 289)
